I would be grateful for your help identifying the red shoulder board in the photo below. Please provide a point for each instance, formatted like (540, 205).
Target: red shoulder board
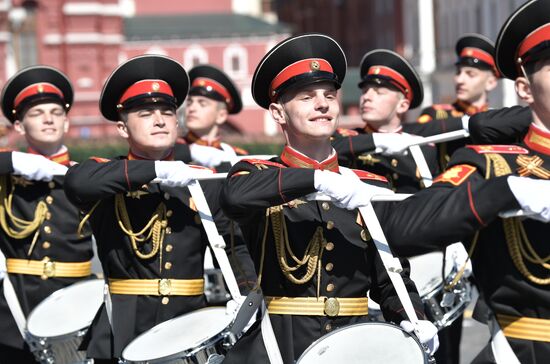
(346, 132)
(456, 174)
(446, 107)
(263, 161)
(240, 151)
(500, 149)
(364, 175)
(100, 160)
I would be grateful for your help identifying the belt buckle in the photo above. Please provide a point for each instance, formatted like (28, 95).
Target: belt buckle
(165, 287)
(332, 307)
(48, 269)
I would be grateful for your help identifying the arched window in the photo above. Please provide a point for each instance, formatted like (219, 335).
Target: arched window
(235, 61)
(193, 56)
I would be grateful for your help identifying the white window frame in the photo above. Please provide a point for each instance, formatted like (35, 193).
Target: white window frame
(194, 51)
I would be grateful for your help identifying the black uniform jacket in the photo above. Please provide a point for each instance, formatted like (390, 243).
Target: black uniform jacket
(355, 150)
(463, 201)
(349, 268)
(181, 254)
(57, 240)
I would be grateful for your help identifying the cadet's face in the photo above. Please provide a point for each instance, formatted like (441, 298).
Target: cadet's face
(43, 125)
(471, 83)
(202, 113)
(378, 104)
(312, 111)
(150, 129)
(540, 90)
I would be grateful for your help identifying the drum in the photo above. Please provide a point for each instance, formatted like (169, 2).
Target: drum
(442, 305)
(370, 342)
(56, 326)
(194, 338)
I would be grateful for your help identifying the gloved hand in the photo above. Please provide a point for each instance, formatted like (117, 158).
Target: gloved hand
(532, 196)
(394, 143)
(465, 122)
(426, 334)
(36, 167)
(232, 308)
(456, 254)
(177, 173)
(208, 156)
(348, 192)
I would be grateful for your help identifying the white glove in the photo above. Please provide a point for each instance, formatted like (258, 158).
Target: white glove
(466, 122)
(394, 143)
(208, 156)
(456, 255)
(533, 195)
(36, 167)
(177, 173)
(348, 192)
(232, 308)
(426, 333)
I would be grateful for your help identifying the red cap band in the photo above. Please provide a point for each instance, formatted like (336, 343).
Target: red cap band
(144, 87)
(398, 80)
(36, 89)
(536, 37)
(297, 68)
(479, 54)
(210, 84)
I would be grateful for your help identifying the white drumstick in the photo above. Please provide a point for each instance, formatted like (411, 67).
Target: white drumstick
(441, 138)
(201, 178)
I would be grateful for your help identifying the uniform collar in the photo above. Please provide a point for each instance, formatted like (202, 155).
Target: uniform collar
(134, 157)
(191, 138)
(468, 108)
(292, 158)
(538, 139)
(61, 157)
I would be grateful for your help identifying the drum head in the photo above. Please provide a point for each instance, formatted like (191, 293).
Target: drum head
(178, 335)
(373, 342)
(67, 310)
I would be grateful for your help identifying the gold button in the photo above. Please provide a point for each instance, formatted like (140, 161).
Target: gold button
(329, 267)
(330, 224)
(167, 265)
(46, 245)
(365, 235)
(166, 196)
(325, 206)
(169, 248)
(328, 327)
(332, 307)
(330, 287)
(49, 200)
(394, 162)
(395, 176)
(165, 300)
(330, 246)
(48, 215)
(198, 220)
(51, 184)
(169, 213)
(47, 229)
(168, 230)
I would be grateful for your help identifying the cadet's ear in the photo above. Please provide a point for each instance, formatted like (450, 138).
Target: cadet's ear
(277, 113)
(523, 89)
(122, 129)
(491, 82)
(19, 127)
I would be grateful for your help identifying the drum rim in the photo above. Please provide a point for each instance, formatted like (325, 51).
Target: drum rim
(62, 337)
(175, 355)
(363, 324)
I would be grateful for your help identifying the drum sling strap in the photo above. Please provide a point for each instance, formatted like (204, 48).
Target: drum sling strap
(14, 305)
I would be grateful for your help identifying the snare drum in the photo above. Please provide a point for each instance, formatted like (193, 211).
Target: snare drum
(442, 306)
(56, 326)
(195, 338)
(371, 342)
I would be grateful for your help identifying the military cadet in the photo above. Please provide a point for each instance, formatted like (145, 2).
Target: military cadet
(482, 183)
(212, 98)
(315, 260)
(390, 86)
(476, 75)
(39, 224)
(150, 239)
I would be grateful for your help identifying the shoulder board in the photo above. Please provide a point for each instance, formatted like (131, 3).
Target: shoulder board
(100, 160)
(446, 107)
(500, 149)
(240, 151)
(346, 132)
(264, 162)
(364, 175)
(422, 119)
(456, 174)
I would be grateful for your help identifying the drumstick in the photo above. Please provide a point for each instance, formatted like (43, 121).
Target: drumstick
(441, 138)
(318, 196)
(200, 178)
